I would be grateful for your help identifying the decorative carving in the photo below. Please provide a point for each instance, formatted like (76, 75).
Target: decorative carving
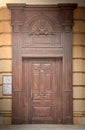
(41, 27)
(41, 40)
(42, 32)
(17, 19)
(50, 27)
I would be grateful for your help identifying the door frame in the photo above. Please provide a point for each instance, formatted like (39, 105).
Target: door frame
(65, 23)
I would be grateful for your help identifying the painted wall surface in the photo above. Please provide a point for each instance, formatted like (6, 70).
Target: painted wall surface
(5, 64)
(78, 60)
(79, 66)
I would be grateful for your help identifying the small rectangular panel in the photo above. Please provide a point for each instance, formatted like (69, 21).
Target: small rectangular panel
(7, 79)
(7, 89)
(39, 103)
(48, 82)
(35, 68)
(41, 39)
(35, 81)
(58, 39)
(7, 84)
(47, 67)
(35, 96)
(41, 111)
(47, 96)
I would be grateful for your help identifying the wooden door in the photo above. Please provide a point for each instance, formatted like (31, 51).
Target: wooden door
(42, 90)
(42, 63)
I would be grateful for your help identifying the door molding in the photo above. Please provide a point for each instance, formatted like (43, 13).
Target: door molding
(42, 31)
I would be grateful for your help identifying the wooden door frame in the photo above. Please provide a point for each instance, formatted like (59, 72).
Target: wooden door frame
(65, 22)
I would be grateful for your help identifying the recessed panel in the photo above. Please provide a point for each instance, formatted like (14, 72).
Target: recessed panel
(42, 111)
(42, 40)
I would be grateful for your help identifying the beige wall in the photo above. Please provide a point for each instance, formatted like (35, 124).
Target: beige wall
(78, 65)
(5, 64)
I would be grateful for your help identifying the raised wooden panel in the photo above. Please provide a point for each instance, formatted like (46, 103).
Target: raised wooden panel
(47, 40)
(41, 112)
(43, 99)
(42, 68)
(42, 58)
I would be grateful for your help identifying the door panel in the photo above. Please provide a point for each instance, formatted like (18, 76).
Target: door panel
(41, 88)
(42, 76)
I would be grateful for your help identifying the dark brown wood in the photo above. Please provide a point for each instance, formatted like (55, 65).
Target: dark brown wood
(42, 86)
(42, 63)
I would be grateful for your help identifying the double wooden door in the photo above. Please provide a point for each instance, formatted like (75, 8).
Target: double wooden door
(42, 90)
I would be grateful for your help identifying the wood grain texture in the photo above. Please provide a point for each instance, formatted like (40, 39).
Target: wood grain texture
(42, 87)
(42, 63)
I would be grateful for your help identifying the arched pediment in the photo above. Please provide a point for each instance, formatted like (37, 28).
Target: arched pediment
(41, 31)
(40, 25)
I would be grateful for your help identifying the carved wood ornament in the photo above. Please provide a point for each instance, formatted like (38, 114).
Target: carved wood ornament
(42, 63)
